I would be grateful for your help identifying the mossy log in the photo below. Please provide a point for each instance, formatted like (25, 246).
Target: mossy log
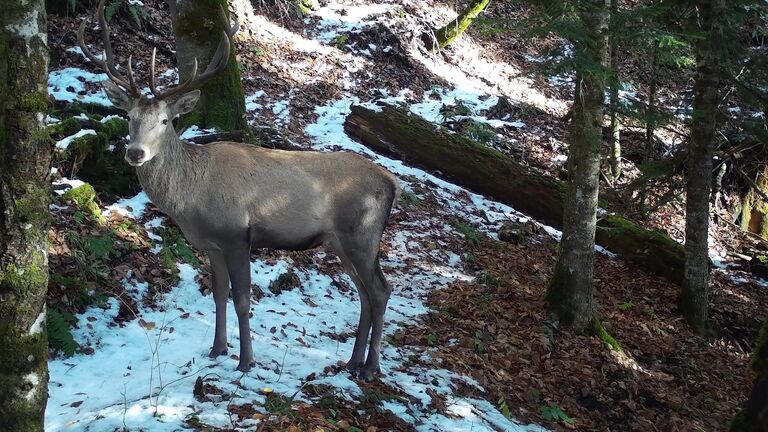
(63, 109)
(89, 157)
(448, 33)
(395, 132)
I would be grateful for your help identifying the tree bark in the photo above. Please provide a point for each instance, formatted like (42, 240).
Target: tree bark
(448, 33)
(754, 416)
(614, 155)
(650, 115)
(694, 299)
(571, 290)
(197, 27)
(24, 197)
(397, 133)
(753, 209)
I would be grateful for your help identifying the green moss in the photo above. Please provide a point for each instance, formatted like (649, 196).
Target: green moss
(25, 277)
(21, 355)
(82, 146)
(455, 28)
(34, 101)
(65, 128)
(31, 207)
(305, 6)
(626, 226)
(102, 168)
(604, 336)
(222, 105)
(113, 128)
(468, 231)
(85, 198)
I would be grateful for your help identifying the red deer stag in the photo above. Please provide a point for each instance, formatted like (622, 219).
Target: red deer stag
(229, 197)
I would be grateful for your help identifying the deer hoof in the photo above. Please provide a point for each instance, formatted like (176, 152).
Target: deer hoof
(215, 352)
(354, 367)
(245, 366)
(368, 374)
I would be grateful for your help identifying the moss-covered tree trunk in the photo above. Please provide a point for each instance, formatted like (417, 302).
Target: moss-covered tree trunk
(306, 6)
(24, 197)
(397, 133)
(571, 290)
(694, 299)
(754, 416)
(445, 35)
(754, 205)
(197, 26)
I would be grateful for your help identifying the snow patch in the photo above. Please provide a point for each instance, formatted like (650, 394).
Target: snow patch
(64, 143)
(132, 207)
(37, 326)
(68, 85)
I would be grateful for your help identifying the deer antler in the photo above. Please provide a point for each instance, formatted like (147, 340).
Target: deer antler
(108, 64)
(217, 64)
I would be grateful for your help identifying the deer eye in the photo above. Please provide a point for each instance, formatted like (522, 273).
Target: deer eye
(165, 121)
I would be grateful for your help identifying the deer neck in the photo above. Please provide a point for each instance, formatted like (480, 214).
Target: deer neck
(175, 176)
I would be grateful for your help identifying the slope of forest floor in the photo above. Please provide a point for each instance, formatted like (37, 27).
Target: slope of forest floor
(467, 344)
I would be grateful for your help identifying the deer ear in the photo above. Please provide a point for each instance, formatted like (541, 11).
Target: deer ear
(116, 95)
(186, 102)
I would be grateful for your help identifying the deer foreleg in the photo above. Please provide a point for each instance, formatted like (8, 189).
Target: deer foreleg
(220, 293)
(239, 266)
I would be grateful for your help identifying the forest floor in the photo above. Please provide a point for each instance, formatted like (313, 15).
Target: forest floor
(467, 344)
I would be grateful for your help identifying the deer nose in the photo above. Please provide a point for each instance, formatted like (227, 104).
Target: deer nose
(134, 156)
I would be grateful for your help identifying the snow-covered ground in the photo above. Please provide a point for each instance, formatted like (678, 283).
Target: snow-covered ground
(141, 375)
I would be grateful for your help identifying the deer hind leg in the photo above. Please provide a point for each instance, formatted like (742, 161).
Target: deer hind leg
(379, 296)
(220, 294)
(361, 263)
(239, 266)
(342, 249)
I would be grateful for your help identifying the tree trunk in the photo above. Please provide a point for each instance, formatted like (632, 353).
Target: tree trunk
(695, 294)
(445, 35)
(24, 197)
(650, 115)
(570, 292)
(754, 416)
(306, 6)
(197, 26)
(614, 155)
(754, 205)
(397, 133)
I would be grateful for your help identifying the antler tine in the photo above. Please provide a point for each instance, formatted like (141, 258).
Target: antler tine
(108, 53)
(181, 87)
(93, 58)
(152, 85)
(231, 28)
(218, 62)
(131, 80)
(217, 65)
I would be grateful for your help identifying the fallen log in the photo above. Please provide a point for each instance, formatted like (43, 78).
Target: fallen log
(397, 133)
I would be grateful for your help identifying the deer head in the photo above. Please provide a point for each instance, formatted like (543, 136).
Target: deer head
(150, 118)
